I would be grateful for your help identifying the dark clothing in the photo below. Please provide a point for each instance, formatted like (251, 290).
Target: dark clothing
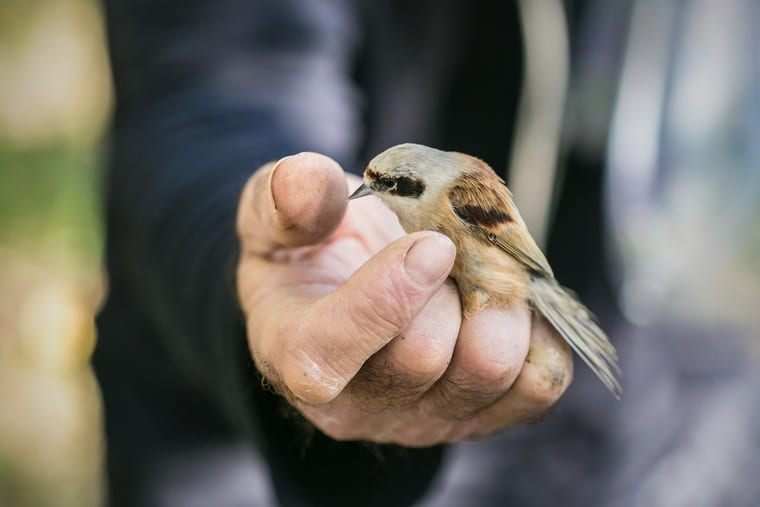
(207, 92)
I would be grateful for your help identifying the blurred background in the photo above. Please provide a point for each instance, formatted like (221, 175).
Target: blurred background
(55, 98)
(683, 193)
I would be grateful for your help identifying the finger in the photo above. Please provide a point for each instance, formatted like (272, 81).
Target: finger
(297, 201)
(488, 357)
(547, 373)
(402, 371)
(325, 343)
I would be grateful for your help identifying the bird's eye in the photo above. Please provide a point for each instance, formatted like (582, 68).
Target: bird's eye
(387, 182)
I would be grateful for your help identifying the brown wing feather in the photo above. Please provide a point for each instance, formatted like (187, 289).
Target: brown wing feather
(486, 203)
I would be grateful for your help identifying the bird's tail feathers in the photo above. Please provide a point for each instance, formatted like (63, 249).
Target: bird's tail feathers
(579, 328)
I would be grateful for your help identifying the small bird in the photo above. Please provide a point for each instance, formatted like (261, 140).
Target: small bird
(498, 264)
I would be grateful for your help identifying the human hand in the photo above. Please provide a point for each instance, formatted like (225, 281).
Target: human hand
(358, 327)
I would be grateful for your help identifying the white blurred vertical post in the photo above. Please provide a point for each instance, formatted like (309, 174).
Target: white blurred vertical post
(533, 168)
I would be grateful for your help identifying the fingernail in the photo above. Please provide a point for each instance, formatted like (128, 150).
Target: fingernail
(430, 258)
(271, 177)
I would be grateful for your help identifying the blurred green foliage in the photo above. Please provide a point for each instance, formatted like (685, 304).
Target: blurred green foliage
(49, 202)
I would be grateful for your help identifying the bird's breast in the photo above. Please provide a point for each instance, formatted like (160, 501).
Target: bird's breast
(487, 277)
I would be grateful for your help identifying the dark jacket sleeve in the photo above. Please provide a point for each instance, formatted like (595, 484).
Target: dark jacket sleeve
(205, 93)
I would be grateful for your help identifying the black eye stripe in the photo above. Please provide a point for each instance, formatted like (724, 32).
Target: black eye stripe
(383, 183)
(407, 187)
(402, 186)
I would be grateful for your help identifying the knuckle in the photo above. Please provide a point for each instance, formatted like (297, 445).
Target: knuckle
(428, 366)
(546, 384)
(421, 357)
(308, 380)
(548, 375)
(384, 310)
(489, 357)
(494, 370)
(376, 320)
(315, 369)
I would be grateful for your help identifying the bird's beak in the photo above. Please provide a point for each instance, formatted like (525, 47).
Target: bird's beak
(360, 192)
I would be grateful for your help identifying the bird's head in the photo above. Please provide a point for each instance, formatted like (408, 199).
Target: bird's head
(409, 178)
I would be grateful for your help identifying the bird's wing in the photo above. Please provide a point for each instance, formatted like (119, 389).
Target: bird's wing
(486, 204)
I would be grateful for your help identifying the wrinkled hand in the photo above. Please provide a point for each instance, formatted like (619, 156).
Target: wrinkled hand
(357, 325)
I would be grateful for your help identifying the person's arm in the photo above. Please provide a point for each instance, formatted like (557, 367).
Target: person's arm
(206, 93)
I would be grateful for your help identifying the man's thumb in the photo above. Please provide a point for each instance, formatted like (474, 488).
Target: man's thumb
(334, 336)
(297, 201)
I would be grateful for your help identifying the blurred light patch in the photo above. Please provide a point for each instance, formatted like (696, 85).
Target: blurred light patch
(54, 80)
(55, 99)
(50, 425)
(683, 191)
(533, 167)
